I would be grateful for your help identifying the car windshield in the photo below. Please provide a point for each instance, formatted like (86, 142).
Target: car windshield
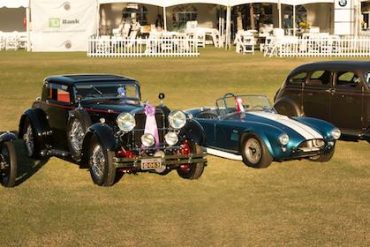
(229, 104)
(86, 91)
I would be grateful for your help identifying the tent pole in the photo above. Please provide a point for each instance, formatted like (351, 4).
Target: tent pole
(279, 9)
(164, 19)
(294, 19)
(228, 27)
(28, 28)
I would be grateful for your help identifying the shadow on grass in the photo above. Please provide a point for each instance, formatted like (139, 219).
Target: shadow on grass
(27, 167)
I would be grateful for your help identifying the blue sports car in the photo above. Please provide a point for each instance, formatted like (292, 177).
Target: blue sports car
(247, 128)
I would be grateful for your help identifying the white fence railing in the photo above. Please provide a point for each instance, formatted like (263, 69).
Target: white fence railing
(319, 46)
(138, 47)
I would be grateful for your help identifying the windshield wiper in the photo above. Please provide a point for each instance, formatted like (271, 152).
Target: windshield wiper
(96, 90)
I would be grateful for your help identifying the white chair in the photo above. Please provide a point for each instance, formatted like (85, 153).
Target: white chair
(2, 41)
(12, 41)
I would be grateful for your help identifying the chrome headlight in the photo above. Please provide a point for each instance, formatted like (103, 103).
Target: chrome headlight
(335, 133)
(171, 138)
(147, 140)
(126, 122)
(177, 119)
(284, 139)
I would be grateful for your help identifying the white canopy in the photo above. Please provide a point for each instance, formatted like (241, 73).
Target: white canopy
(14, 3)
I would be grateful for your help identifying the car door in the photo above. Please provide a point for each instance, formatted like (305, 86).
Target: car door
(227, 133)
(317, 94)
(56, 106)
(347, 101)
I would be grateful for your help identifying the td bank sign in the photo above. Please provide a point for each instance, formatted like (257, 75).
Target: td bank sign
(58, 22)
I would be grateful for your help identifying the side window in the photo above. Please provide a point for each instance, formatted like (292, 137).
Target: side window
(347, 79)
(297, 79)
(320, 78)
(57, 92)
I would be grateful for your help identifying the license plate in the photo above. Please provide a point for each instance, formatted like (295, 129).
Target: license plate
(151, 164)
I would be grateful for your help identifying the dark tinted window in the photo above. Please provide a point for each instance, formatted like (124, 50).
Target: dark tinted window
(347, 79)
(319, 78)
(297, 79)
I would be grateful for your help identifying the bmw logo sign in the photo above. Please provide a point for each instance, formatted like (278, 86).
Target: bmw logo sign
(342, 3)
(67, 6)
(68, 44)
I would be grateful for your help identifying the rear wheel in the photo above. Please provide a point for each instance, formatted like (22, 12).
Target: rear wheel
(255, 153)
(101, 165)
(194, 170)
(8, 164)
(30, 141)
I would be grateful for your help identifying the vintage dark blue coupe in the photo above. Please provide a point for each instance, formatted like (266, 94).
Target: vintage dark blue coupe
(100, 122)
(246, 127)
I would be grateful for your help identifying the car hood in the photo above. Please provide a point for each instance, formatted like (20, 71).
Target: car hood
(112, 106)
(286, 124)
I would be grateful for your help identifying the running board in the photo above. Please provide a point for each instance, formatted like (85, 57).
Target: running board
(222, 154)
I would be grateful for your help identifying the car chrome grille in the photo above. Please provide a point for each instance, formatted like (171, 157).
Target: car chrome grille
(138, 131)
(311, 145)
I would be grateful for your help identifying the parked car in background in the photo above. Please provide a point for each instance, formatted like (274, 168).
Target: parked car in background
(246, 127)
(8, 159)
(99, 122)
(338, 92)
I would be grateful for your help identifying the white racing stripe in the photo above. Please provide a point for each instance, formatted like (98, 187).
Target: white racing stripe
(302, 129)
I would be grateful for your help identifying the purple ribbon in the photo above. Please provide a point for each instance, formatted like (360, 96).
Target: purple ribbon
(151, 123)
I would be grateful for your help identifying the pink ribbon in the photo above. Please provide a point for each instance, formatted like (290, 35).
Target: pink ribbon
(151, 123)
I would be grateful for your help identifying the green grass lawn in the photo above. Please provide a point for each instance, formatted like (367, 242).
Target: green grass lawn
(288, 204)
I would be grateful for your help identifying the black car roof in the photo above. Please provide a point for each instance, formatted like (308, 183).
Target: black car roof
(334, 66)
(75, 78)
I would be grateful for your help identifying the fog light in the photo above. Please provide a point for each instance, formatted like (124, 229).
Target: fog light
(147, 140)
(284, 139)
(335, 133)
(171, 138)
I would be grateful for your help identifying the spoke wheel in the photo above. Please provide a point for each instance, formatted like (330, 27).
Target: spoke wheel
(76, 136)
(77, 127)
(29, 139)
(102, 169)
(8, 164)
(254, 152)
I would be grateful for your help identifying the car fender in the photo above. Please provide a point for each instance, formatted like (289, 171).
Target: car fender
(267, 133)
(8, 136)
(295, 108)
(105, 135)
(39, 122)
(321, 126)
(193, 131)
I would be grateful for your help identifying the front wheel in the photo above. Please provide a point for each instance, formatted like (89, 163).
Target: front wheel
(325, 157)
(8, 164)
(194, 170)
(255, 153)
(101, 166)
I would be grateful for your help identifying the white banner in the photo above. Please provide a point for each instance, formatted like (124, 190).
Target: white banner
(60, 25)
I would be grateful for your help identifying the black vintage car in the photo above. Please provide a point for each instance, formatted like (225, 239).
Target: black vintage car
(99, 122)
(8, 159)
(338, 92)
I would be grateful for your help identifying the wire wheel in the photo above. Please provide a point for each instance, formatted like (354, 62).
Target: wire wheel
(97, 162)
(29, 140)
(253, 151)
(8, 164)
(76, 136)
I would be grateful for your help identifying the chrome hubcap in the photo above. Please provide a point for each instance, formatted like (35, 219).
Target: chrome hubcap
(28, 139)
(253, 151)
(97, 161)
(76, 136)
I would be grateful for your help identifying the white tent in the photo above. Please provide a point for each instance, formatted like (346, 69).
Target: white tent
(14, 4)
